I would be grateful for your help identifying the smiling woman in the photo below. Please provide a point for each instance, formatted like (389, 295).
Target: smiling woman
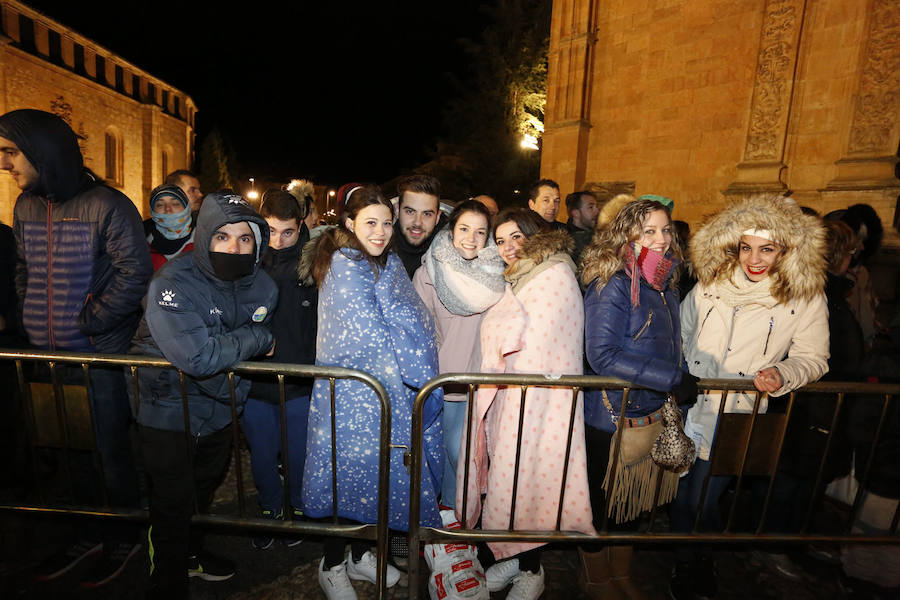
(370, 318)
(758, 312)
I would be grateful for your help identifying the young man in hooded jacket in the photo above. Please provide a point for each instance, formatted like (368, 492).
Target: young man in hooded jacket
(205, 311)
(82, 267)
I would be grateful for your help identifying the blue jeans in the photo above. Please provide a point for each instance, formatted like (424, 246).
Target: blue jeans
(261, 423)
(454, 423)
(684, 508)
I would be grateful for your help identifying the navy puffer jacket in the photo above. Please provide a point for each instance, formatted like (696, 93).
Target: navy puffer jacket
(82, 264)
(203, 325)
(641, 345)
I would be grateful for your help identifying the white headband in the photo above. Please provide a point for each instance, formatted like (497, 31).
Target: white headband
(761, 233)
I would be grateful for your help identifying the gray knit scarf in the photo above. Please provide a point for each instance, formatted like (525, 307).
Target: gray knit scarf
(465, 287)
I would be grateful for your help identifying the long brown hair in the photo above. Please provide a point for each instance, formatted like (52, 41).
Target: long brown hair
(603, 257)
(340, 238)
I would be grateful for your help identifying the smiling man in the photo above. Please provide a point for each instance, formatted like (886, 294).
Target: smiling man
(418, 218)
(205, 311)
(543, 198)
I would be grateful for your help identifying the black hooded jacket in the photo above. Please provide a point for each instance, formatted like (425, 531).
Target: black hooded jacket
(295, 320)
(204, 325)
(82, 264)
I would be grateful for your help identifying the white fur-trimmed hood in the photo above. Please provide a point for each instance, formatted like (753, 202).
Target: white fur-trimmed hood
(799, 272)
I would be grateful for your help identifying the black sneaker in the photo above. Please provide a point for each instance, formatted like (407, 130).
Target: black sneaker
(64, 561)
(111, 565)
(264, 541)
(290, 542)
(209, 567)
(681, 583)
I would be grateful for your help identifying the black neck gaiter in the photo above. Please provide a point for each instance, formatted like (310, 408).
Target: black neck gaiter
(231, 267)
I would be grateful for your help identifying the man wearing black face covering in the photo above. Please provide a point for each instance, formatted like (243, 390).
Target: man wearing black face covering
(205, 311)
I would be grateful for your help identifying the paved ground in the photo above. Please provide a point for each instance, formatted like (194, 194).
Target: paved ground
(282, 573)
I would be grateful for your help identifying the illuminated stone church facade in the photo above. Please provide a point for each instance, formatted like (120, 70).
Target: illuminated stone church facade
(134, 127)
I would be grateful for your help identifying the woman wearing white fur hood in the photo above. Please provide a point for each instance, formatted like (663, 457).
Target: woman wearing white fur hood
(758, 311)
(460, 278)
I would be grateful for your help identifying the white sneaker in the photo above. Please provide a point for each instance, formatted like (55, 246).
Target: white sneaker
(500, 574)
(367, 567)
(527, 586)
(335, 583)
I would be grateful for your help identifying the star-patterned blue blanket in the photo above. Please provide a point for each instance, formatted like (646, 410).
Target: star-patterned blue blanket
(380, 326)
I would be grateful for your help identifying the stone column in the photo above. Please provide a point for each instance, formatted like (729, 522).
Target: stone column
(566, 120)
(763, 160)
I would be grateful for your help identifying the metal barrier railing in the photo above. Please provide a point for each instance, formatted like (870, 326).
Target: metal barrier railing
(54, 401)
(755, 450)
(739, 457)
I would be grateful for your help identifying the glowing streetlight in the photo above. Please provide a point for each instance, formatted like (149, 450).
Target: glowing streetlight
(252, 194)
(529, 142)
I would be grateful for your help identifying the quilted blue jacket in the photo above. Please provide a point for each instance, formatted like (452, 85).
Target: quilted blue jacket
(641, 345)
(203, 325)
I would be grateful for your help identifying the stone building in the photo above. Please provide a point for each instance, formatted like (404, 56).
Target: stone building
(135, 128)
(704, 100)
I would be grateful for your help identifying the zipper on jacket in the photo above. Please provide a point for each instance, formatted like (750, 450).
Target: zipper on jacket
(644, 327)
(768, 335)
(709, 312)
(671, 328)
(50, 276)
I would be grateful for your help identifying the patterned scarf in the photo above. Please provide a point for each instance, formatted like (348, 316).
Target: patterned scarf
(654, 267)
(464, 287)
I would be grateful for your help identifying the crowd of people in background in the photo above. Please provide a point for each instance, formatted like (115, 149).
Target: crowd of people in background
(765, 291)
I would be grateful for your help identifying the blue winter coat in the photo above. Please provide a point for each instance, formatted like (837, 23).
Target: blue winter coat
(383, 328)
(641, 345)
(203, 326)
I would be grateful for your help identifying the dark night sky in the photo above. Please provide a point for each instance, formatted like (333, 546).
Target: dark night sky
(337, 91)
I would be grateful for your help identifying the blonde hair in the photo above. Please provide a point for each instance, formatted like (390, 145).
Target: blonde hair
(603, 256)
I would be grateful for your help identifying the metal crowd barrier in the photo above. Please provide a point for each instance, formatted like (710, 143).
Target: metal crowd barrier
(755, 449)
(58, 415)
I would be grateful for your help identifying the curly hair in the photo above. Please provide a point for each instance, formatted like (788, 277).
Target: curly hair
(603, 256)
(840, 242)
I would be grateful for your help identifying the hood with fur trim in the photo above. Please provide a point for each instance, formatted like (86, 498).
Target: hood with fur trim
(540, 251)
(800, 270)
(612, 208)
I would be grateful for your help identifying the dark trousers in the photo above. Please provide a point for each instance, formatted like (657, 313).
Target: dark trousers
(261, 422)
(175, 471)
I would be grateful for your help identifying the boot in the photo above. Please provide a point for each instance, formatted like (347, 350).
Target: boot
(620, 569)
(595, 577)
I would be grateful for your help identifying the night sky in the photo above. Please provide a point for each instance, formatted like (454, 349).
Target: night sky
(336, 91)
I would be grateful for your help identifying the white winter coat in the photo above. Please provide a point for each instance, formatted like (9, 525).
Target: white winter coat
(721, 341)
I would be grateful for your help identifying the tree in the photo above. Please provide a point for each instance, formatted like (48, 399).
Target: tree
(216, 162)
(503, 100)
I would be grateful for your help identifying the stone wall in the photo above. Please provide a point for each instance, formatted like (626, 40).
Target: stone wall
(147, 116)
(706, 100)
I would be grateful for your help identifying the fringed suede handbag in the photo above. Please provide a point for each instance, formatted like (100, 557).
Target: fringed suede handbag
(652, 446)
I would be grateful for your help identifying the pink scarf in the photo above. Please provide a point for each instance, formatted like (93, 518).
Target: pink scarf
(654, 268)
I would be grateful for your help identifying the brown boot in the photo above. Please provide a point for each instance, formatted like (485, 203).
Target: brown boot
(595, 577)
(620, 569)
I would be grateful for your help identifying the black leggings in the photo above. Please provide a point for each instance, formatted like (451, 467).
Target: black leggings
(334, 550)
(530, 560)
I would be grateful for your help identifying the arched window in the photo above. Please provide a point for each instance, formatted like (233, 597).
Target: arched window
(113, 158)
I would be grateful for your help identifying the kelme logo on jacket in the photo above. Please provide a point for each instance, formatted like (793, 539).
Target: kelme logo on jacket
(167, 299)
(259, 314)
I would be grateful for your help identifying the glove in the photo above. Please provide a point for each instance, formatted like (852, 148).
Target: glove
(685, 392)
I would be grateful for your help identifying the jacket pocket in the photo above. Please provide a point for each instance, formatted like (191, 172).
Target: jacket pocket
(644, 327)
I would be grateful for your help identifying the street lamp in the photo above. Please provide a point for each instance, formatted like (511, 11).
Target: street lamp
(252, 194)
